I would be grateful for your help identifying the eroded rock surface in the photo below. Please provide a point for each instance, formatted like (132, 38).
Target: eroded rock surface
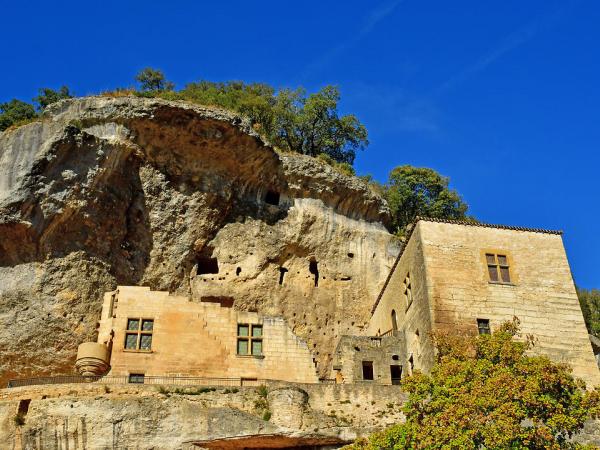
(130, 191)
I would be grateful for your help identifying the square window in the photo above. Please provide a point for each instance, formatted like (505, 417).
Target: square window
(256, 330)
(498, 268)
(136, 378)
(256, 348)
(483, 325)
(131, 341)
(139, 334)
(243, 330)
(145, 341)
(242, 347)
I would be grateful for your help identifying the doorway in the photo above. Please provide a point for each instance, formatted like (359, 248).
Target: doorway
(396, 374)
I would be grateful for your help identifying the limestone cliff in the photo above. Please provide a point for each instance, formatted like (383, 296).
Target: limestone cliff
(130, 191)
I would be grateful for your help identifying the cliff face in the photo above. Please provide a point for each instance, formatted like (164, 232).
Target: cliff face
(97, 416)
(130, 191)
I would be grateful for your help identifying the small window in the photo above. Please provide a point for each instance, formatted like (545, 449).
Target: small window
(407, 287)
(136, 378)
(498, 268)
(394, 321)
(483, 325)
(367, 370)
(249, 340)
(138, 335)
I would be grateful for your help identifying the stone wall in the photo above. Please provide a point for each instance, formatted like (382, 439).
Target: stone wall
(382, 352)
(451, 290)
(103, 416)
(199, 339)
(414, 318)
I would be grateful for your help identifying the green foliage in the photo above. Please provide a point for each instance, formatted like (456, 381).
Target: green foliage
(153, 80)
(590, 306)
(290, 119)
(342, 167)
(19, 419)
(267, 415)
(48, 96)
(485, 392)
(262, 391)
(420, 191)
(15, 112)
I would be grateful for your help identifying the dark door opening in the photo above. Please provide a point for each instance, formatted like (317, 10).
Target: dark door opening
(396, 374)
(367, 370)
(313, 268)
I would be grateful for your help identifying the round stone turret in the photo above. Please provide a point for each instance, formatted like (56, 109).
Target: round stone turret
(92, 359)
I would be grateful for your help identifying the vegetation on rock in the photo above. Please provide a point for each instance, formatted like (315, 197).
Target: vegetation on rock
(16, 112)
(418, 191)
(485, 392)
(590, 306)
(291, 119)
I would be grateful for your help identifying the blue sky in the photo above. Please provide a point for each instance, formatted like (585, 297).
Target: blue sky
(501, 96)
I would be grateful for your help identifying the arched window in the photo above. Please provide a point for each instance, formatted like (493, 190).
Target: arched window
(394, 321)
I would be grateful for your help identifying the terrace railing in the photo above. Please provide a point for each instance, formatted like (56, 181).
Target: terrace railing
(151, 380)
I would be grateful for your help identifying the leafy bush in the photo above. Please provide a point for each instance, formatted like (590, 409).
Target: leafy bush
(485, 392)
(15, 112)
(590, 306)
(19, 419)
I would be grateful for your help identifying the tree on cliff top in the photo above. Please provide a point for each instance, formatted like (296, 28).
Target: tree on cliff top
(290, 119)
(485, 392)
(15, 112)
(420, 191)
(153, 80)
(48, 96)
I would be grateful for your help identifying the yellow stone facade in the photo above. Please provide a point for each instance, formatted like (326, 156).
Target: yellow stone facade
(440, 281)
(192, 339)
(451, 289)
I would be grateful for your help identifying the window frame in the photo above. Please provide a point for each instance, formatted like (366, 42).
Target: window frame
(250, 339)
(407, 291)
(139, 333)
(508, 265)
(484, 324)
(134, 378)
(364, 364)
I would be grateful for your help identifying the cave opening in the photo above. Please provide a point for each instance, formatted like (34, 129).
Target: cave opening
(206, 265)
(238, 271)
(272, 198)
(313, 267)
(282, 271)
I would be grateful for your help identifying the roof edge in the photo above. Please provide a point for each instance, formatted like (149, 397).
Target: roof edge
(485, 225)
(452, 222)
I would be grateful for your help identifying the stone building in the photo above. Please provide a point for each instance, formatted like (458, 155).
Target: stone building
(143, 333)
(462, 276)
(472, 277)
